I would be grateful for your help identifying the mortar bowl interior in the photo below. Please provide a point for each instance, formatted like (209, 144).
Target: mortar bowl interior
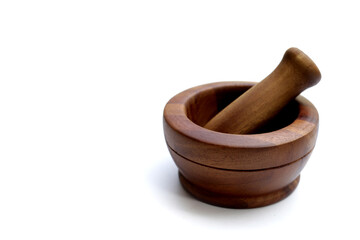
(202, 107)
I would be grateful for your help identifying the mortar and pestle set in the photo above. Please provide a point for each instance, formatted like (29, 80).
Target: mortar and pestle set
(241, 144)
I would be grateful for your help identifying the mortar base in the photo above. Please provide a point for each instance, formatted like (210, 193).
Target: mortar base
(238, 201)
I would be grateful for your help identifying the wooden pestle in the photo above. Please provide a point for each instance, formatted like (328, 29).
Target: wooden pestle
(250, 111)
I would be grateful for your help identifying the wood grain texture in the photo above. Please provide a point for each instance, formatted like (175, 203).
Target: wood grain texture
(185, 114)
(237, 188)
(237, 170)
(238, 201)
(262, 102)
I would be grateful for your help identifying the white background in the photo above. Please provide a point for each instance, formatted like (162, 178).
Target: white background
(82, 88)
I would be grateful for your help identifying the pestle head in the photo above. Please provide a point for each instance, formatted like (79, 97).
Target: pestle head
(253, 109)
(307, 73)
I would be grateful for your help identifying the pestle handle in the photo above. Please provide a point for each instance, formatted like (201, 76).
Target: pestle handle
(250, 111)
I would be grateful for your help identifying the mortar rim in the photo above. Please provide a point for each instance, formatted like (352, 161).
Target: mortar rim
(306, 121)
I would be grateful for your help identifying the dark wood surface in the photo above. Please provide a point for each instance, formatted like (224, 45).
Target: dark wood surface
(239, 189)
(185, 114)
(262, 102)
(238, 201)
(237, 170)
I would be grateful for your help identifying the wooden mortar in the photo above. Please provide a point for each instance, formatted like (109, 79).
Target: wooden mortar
(238, 170)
